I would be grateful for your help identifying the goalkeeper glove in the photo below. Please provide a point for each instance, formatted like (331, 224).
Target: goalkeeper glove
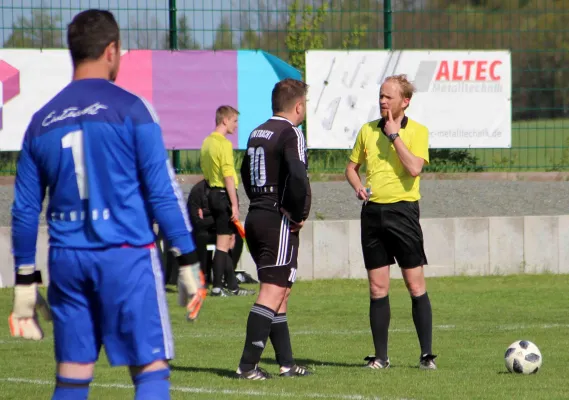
(191, 285)
(23, 320)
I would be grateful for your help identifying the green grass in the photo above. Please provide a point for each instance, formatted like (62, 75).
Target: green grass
(537, 145)
(475, 319)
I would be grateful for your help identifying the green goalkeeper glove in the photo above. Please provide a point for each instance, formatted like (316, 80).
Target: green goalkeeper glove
(28, 300)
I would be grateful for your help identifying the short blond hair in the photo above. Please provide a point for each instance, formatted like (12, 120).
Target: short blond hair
(407, 88)
(224, 112)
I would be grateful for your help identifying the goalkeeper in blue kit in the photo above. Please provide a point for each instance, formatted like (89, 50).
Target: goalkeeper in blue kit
(99, 151)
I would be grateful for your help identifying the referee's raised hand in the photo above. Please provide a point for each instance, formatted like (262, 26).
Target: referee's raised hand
(391, 125)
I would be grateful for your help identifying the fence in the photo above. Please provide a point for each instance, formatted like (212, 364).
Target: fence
(536, 32)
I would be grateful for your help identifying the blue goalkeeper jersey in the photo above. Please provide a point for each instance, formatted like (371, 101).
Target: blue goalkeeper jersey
(98, 150)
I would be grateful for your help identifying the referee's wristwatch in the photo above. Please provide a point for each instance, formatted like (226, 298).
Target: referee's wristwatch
(393, 136)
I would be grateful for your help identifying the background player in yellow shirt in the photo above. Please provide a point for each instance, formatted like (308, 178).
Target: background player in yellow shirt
(394, 149)
(218, 167)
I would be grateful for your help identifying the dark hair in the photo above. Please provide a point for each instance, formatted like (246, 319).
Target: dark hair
(286, 93)
(89, 34)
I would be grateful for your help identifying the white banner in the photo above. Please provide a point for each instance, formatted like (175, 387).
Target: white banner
(462, 97)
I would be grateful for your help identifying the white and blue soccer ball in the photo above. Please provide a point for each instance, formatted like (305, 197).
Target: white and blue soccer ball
(523, 357)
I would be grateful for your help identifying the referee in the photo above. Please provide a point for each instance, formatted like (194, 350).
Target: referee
(217, 165)
(394, 149)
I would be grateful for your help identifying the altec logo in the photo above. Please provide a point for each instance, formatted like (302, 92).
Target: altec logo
(459, 76)
(468, 71)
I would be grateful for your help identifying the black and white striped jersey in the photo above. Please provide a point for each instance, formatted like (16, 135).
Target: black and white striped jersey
(274, 169)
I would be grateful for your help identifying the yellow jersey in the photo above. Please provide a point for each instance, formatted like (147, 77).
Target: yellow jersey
(386, 176)
(216, 160)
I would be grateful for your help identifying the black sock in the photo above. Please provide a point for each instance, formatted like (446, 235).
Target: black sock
(423, 319)
(235, 253)
(280, 338)
(379, 318)
(219, 260)
(229, 273)
(258, 330)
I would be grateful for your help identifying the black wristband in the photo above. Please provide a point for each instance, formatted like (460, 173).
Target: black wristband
(25, 279)
(188, 258)
(38, 278)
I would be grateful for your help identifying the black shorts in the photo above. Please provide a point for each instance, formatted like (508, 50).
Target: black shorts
(273, 247)
(392, 232)
(220, 206)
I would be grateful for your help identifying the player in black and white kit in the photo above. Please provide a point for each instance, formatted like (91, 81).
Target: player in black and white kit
(274, 175)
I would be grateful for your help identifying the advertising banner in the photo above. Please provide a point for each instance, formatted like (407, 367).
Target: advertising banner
(184, 87)
(462, 97)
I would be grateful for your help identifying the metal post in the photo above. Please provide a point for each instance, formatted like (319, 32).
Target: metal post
(172, 17)
(387, 24)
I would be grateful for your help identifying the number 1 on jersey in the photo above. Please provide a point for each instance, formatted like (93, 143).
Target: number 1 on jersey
(257, 166)
(74, 141)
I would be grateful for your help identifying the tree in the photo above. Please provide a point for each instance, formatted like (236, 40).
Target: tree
(183, 34)
(145, 34)
(223, 36)
(185, 39)
(304, 34)
(41, 30)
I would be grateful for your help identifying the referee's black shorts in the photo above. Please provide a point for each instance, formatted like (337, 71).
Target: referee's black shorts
(220, 206)
(392, 232)
(273, 247)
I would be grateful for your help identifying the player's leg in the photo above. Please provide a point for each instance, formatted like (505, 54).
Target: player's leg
(77, 338)
(219, 210)
(222, 261)
(201, 238)
(267, 235)
(151, 381)
(259, 323)
(280, 334)
(135, 319)
(403, 226)
(237, 250)
(377, 261)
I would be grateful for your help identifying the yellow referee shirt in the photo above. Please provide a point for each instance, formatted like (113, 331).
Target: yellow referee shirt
(216, 160)
(385, 174)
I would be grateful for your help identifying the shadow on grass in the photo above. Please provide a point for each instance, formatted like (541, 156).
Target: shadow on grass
(309, 362)
(225, 373)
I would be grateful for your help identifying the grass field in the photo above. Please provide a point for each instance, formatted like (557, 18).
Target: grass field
(475, 319)
(537, 145)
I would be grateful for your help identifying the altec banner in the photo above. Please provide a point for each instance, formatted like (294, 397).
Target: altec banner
(462, 97)
(184, 87)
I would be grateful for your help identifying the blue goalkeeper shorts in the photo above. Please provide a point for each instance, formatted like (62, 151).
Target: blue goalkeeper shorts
(112, 297)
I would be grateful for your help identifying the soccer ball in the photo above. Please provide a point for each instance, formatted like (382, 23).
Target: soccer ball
(523, 357)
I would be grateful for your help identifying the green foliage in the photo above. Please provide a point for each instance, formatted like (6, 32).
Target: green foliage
(304, 34)
(184, 34)
(41, 30)
(450, 160)
(535, 31)
(223, 36)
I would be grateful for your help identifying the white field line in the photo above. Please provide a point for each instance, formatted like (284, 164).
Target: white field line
(513, 327)
(347, 332)
(198, 390)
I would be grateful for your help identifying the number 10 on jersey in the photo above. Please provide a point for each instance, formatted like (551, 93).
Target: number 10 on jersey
(257, 165)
